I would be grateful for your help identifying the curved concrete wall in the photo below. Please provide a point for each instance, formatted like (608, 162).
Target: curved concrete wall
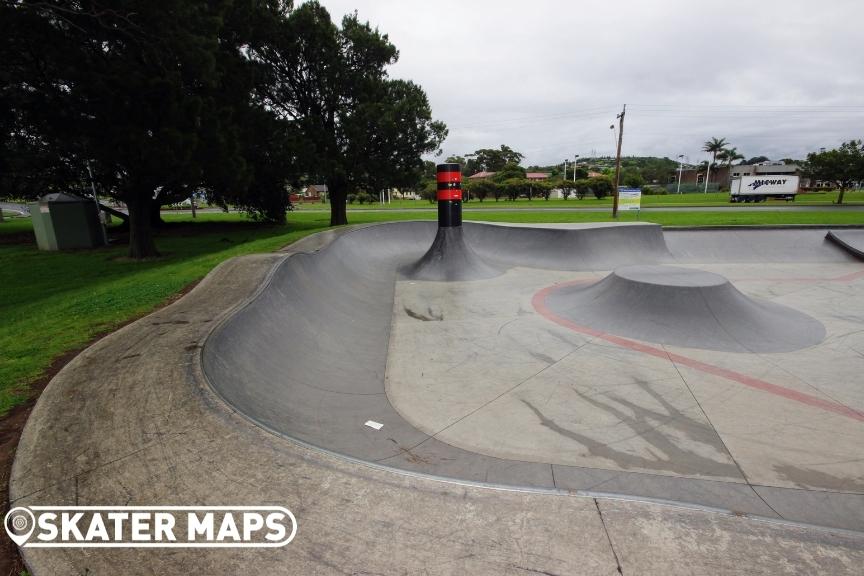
(307, 357)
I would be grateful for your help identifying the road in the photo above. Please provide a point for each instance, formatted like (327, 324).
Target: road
(666, 208)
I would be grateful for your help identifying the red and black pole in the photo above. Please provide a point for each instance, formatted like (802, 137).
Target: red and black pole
(449, 177)
(450, 257)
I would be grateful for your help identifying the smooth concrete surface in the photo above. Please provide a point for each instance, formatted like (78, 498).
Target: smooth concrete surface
(132, 420)
(556, 368)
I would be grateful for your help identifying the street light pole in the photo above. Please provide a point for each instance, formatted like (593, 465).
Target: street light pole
(680, 170)
(565, 168)
(574, 168)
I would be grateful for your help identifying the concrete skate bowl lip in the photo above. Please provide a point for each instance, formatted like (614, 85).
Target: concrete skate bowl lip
(305, 359)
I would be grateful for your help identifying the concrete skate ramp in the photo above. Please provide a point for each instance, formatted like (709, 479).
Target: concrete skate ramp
(450, 258)
(684, 307)
(850, 240)
(307, 358)
(753, 245)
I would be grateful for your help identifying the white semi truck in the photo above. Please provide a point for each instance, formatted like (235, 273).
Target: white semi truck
(760, 188)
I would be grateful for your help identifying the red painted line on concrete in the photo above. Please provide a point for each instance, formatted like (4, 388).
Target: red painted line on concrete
(539, 303)
(849, 277)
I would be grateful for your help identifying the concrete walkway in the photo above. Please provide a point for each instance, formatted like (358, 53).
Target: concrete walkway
(131, 421)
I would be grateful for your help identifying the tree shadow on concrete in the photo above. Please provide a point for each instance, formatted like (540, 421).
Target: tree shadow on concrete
(653, 427)
(808, 478)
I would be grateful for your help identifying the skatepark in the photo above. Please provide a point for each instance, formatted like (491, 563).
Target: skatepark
(606, 383)
(656, 381)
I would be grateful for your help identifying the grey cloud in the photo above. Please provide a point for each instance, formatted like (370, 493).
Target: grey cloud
(774, 78)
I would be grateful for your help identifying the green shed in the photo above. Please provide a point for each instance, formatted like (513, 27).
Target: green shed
(65, 221)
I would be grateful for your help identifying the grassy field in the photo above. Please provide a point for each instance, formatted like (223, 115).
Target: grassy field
(710, 199)
(58, 301)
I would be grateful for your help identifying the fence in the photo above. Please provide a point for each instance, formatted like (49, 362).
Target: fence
(691, 188)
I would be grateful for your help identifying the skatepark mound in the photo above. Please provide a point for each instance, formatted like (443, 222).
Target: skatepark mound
(684, 307)
(450, 258)
(850, 240)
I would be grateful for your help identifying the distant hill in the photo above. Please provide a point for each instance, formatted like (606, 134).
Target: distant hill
(648, 169)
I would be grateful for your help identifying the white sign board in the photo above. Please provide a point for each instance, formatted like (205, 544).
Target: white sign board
(629, 198)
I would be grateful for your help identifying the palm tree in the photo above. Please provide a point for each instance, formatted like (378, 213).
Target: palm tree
(730, 155)
(715, 146)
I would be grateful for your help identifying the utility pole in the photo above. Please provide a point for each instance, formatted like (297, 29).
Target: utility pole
(680, 170)
(565, 168)
(618, 161)
(575, 158)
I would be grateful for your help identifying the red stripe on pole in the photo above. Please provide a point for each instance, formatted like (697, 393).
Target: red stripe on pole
(449, 176)
(454, 194)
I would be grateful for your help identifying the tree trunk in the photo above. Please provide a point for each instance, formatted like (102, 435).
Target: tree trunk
(155, 214)
(338, 199)
(840, 196)
(141, 244)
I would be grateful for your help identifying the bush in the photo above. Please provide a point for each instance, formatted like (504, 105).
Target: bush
(429, 191)
(581, 188)
(364, 198)
(632, 179)
(654, 191)
(601, 186)
(515, 187)
(352, 198)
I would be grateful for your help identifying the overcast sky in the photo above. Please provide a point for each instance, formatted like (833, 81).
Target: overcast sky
(775, 78)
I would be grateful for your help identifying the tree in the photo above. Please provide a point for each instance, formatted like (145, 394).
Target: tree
(492, 160)
(150, 95)
(508, 171)
(565, 186)
(543, 188)
(632, 178)
(579, 173)
(714, 146)
(498, 191)
(430, 170)
(757, 160)
(601, 186)
(515, 187)
(582, 188)
(844, 166)
(360, 129)
(482, 189)
(429, 191)
(730, 155)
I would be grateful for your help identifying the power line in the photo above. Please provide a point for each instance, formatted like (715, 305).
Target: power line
(597, 112)
(748, 106)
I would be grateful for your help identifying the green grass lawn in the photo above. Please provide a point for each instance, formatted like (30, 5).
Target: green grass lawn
(53, 302)
(696, 199)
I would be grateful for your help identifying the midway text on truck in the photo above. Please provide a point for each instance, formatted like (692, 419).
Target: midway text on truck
(760, 188)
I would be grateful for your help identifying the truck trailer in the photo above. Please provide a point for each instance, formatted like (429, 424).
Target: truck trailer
(760, 188)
